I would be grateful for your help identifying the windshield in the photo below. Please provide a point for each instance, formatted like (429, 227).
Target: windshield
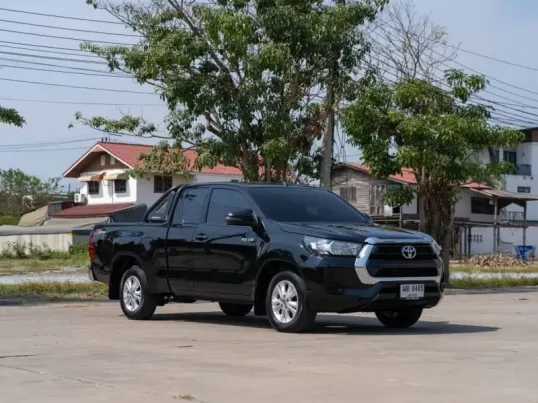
(296, 204)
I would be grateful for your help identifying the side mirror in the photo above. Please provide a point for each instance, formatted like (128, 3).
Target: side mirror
(156, 217)
(243, 218)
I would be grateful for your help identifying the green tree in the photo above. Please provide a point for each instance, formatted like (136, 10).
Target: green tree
(11, 117)
(20, 192)
(435, 133)
(245, 81)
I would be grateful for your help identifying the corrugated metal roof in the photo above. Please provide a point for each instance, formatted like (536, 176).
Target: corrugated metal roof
(407, 176)
(502, 194)
(129, 154)
(90, 210)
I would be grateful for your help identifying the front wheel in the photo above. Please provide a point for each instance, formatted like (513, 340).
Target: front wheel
(135, 299)
(235, 309)
(286, 303)
(400, 319)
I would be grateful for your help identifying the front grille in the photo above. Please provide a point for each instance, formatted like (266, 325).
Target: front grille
(394, 252)
(406, 272)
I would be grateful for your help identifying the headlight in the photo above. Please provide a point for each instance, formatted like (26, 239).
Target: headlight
(436, 247)
(321, 246)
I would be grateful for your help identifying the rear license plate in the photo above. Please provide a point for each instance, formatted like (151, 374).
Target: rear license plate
(411, 291)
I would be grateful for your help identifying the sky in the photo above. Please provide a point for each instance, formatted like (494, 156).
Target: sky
(500, 29)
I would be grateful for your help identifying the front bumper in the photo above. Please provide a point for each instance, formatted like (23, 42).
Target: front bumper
(377, 297)
(349, 286)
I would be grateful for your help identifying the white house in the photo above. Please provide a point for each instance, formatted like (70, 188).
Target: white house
(106, 187)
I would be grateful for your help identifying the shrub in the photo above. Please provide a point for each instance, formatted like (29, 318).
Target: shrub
(22, 250)
(8, 220)
(79, 249)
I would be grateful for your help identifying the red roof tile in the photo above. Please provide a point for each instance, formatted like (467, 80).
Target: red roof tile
(90, 210)
(128, 153)
(408, 177)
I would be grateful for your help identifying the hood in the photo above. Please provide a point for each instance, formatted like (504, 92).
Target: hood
(352, 232)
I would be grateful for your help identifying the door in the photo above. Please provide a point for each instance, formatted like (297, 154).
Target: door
(225, 255)
(189, 212)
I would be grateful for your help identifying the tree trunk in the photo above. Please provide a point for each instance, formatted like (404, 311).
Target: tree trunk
(436, 211)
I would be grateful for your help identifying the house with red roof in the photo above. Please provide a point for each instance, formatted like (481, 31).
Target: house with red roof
(484, 219)
(105, 186)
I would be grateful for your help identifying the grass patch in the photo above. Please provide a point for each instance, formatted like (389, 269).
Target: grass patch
(25, 258)
(482, 283)
(54, 291)
(531, 268)
(32, 265)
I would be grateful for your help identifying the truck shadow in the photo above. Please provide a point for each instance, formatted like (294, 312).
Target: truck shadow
(330, 324)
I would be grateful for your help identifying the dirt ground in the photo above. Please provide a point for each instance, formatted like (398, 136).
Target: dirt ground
(472, 348)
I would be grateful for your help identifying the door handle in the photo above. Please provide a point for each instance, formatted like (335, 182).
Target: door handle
(200, 237)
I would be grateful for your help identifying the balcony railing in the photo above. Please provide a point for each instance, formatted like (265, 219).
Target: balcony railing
(511, 216)
(524, 169)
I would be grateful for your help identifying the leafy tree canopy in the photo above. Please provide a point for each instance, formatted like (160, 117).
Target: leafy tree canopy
(11, 117)
(436, 133)
(244, 80)
(20, 192)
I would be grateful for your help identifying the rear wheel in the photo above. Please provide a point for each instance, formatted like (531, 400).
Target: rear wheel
(135, 299)
(235, 309)
(286, 303)
(400, 319)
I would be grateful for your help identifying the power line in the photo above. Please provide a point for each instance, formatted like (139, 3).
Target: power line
(75, 86)
(89, 54)
(66, 38)
(469, 68)
(49, 51)
(64, 67)
(64, 72)
(63, 59)
(46, 150)
(47, 143)
(69, 29)
(44, 101)
(60, 16)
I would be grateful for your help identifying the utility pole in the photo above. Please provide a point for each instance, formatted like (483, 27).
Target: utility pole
(328, 138)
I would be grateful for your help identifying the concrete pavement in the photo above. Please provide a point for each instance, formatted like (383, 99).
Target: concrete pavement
(472, 348)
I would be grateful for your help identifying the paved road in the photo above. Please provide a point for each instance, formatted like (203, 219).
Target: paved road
(473, 348)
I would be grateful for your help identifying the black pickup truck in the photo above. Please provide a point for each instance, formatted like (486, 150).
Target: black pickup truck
(288, 251)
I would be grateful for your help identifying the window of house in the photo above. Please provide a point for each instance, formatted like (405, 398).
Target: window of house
(349, 193)
(496, 155)
(93, 188)
(523, 189)
(112, 160)
(224, 201)
(103, 160)
(162, 183)
(510, 156)
(482, 206)
(120, 186)
(377, 204)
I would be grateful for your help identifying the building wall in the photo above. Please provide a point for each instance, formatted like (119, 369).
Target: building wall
(106, 190)
(482, 239)
(148, 196)
(345, 177)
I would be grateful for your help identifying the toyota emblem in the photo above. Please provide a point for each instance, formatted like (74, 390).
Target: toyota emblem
(409, 252)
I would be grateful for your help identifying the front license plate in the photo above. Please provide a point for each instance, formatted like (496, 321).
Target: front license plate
(411, 291)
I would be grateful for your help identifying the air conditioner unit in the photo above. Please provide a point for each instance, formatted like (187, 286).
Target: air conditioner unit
(80, 198)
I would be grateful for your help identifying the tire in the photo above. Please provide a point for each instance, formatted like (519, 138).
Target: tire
(291, 312)
(235, 310)
(136, 301)
(401, 319)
